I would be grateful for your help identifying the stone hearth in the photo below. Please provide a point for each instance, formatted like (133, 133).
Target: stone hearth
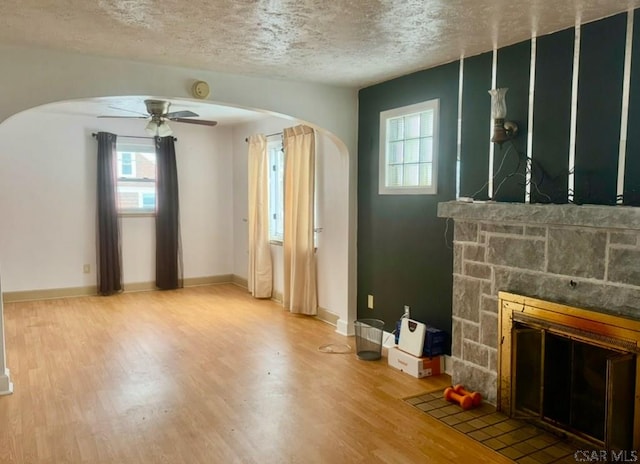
(585, 256)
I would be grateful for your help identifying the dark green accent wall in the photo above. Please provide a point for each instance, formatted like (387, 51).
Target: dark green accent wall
(552, 117)
(476, 120)
(602, 49)
(513, 69)
(404, 249)
(404, 254)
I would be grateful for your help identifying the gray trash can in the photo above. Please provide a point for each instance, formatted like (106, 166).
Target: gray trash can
(369, 338)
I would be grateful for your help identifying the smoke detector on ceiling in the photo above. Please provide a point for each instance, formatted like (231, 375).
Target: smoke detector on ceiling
(200, 89)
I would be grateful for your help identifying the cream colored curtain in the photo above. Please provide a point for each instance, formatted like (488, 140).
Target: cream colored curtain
(260, 279)
(300, 286)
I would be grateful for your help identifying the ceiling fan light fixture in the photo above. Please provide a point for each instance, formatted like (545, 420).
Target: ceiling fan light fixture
(163, 129)
(152, 128)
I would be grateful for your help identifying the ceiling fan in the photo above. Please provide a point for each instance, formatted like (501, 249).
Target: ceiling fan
(158, 115)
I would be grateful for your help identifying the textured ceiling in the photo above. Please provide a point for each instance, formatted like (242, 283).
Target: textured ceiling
(341, 42)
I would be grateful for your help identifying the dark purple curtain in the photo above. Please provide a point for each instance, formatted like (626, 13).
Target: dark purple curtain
(108, 229)
(168, 247)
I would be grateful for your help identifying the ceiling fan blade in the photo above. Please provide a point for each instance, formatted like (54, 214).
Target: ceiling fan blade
(124, 117)
(128, 111)
(195, 121)
(181, 114)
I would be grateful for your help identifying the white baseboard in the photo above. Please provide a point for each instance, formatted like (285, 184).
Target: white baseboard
(6, 387)
(92, 290)
(327, 316)
(344, 328)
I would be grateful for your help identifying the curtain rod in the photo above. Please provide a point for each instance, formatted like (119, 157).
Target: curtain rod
(94, 134)
(266, 136)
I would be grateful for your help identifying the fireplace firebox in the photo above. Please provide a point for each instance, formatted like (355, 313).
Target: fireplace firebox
(569, 369)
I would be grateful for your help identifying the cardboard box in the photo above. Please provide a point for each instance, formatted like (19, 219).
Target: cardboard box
(412, 365)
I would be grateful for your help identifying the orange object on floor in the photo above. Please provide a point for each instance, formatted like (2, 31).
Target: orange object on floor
(464, 401)
(476, 397)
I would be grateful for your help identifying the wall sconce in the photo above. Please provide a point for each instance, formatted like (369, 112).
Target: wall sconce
(502, 130)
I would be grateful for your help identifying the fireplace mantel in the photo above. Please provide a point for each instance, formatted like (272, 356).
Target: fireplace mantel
(611, 217)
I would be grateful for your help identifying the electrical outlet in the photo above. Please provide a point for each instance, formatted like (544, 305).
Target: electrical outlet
(407, 312)
(370, 301)
(86, 268)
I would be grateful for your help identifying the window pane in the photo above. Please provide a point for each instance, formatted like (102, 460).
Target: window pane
(127, 200)
(408, 144)
(412, 126)
(411, 175)
(426, 174)
(426, 150)
(149, 200)
(395, 129)
(136, 186)
(426, 123)
(396, 150)
(412, 151)
(394, 176)
(126, 164)
(276, 190)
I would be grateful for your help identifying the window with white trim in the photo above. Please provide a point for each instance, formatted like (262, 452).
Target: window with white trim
(136, 169)
(409, 149)
(276, 190)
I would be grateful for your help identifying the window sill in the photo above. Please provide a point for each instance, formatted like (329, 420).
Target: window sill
(137, 214)
(276, 242)
(407, 191)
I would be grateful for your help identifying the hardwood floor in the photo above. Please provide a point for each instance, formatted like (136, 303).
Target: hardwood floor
(205, 375)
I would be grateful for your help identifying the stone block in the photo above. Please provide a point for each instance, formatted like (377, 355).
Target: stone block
(477, 270)
(489, 304)
(493, 360)
(489, 329)
(486, 288)
(474, 253)
(577, 252)
(475, 379)
(470, 331)
(475, 353)
(535, 231)
(465, 231)
(456, 338)
(466, 298)
(623, 238)
(613, 299)
(502, 228)
(524, 253)
(457, 258)
(624, 265)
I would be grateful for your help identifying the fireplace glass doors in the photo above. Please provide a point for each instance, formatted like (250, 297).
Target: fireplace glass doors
(574, 386)
(573, 370)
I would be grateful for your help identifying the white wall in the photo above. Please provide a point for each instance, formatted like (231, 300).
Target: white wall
(32, 77)
(48, 197)
(333, 212)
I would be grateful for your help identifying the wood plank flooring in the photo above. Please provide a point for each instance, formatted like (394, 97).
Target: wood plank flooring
(205, 375)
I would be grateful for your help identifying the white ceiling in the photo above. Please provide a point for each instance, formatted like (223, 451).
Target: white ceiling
(342, 42)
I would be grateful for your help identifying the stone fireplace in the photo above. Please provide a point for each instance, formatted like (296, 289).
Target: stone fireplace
(582, 256)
